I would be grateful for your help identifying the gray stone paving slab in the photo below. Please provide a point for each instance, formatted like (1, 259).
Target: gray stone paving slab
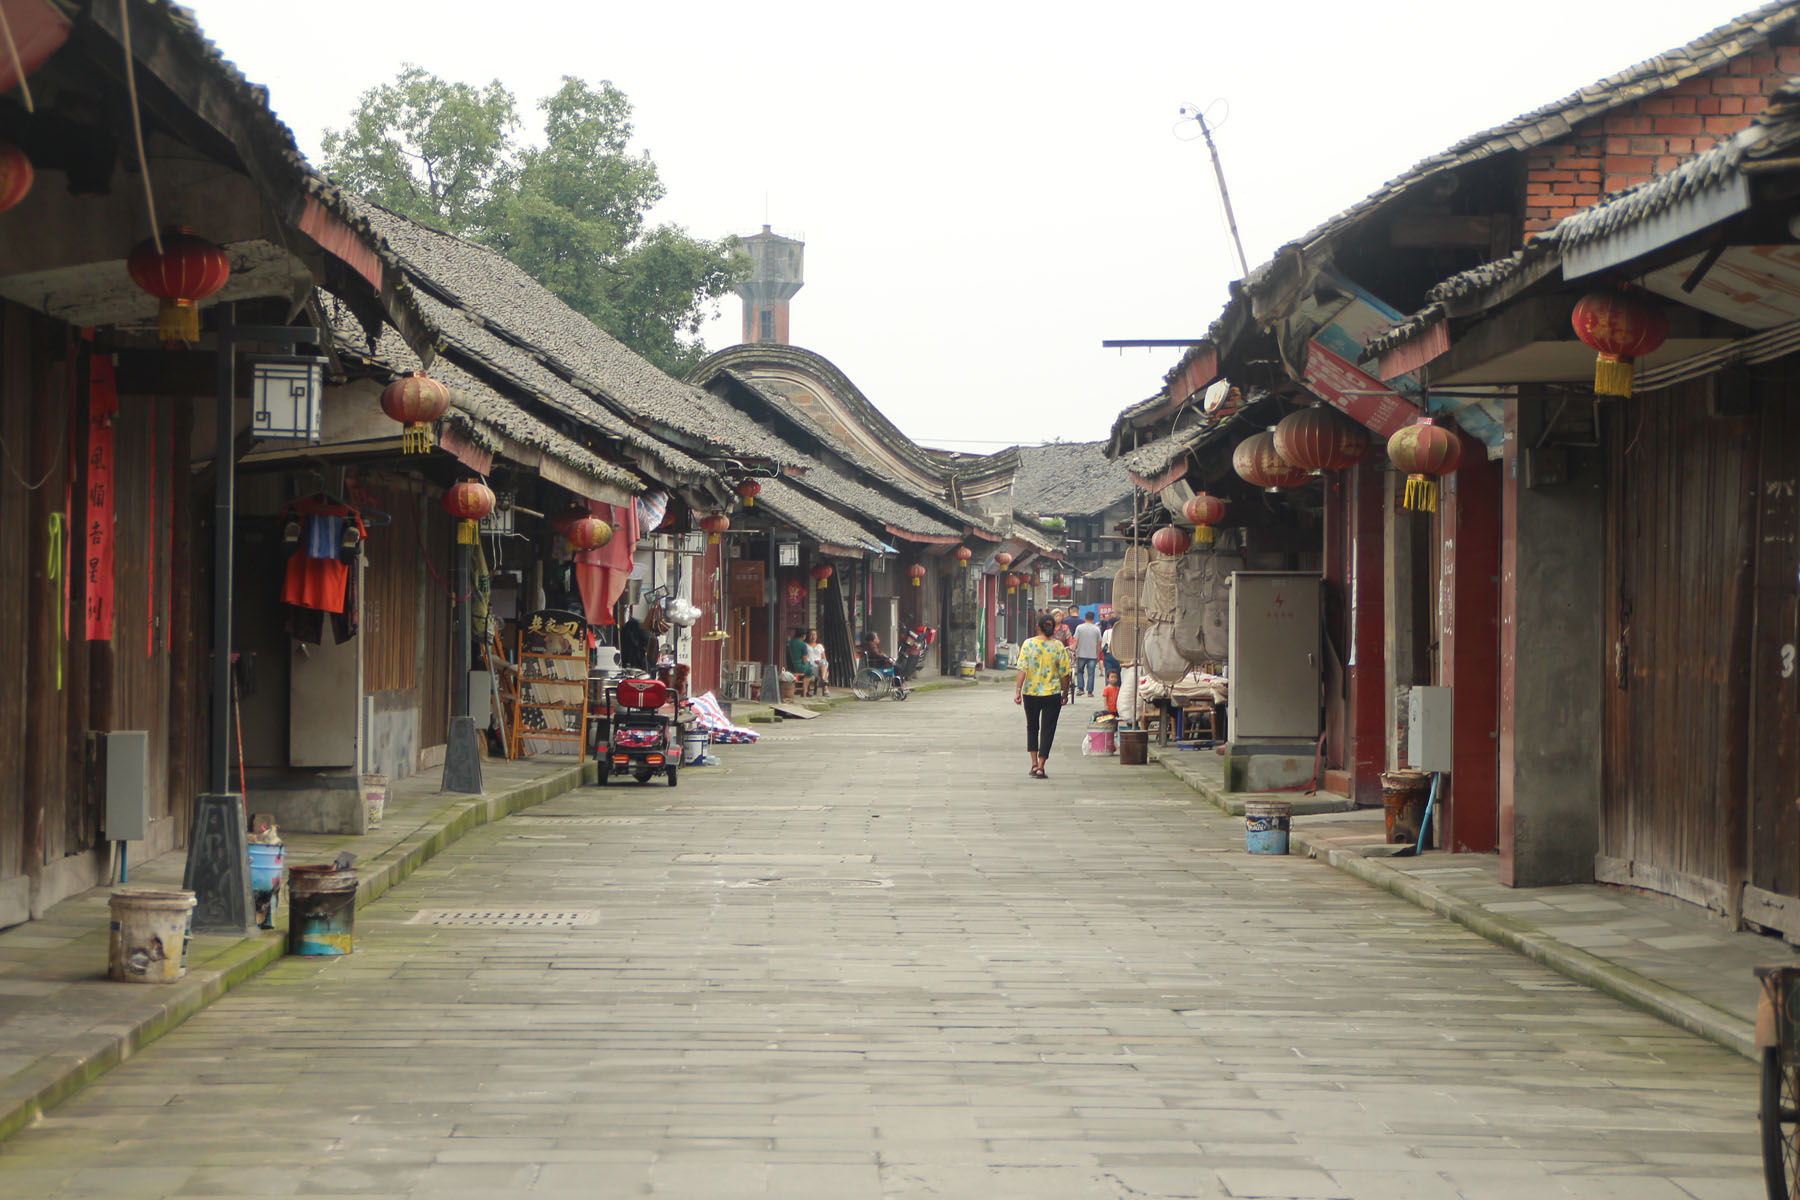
(1050, 999)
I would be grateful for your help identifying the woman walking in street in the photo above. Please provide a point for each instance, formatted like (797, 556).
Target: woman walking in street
(1045, 677)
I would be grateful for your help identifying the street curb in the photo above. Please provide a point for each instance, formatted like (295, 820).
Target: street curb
(27, 1096)
(1677, 1008)
(1665, 1003)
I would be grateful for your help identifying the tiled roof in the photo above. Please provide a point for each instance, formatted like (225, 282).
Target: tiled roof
(477, 407)
(1554, 120)
(1774, 132)
(814, 519)
(804, 420)
(1545, 124)
(860, 498)
(486, 302)
(1067, 479)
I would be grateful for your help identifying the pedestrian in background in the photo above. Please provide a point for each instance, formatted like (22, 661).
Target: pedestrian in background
(1046, 681)
(1087, 655)
(815, 658)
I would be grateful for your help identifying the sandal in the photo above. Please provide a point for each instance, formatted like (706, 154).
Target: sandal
(1038, 773)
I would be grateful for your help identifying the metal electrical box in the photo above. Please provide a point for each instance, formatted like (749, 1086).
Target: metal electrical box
(1429, 742)
(127, 785)
(1276, 671)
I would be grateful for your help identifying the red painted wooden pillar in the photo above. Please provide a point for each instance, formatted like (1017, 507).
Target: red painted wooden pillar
(1337, 616)
(1366, 665)
(1469, 648)
(708, 652)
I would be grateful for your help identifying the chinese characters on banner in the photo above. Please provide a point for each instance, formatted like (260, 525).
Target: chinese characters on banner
(97, 507)
(1355, 392)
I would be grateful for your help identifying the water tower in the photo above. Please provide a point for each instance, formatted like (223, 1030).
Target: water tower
(776, 274)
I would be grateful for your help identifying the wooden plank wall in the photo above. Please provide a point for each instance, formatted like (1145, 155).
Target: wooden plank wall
(140, 656)
(15, 432)
(1681, 483)
(390, 605)
(439, 566)
(1775, 734)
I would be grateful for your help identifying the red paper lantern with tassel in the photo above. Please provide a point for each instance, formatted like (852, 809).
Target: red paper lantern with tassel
(917, 572)
(1012, 583)
(188, 270)
(1204, 511)
(963, 555)
(1003, 560)
(1258, 462)
(588, 533)
(16, 175)
(1318, 439)
(1621, 327)
(469, 501)
(714, 524)
(748, 491)
(1172, 541)
(820, 574)
(1424, 450)
(417, 401)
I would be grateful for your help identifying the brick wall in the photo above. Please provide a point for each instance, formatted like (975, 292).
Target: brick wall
(1650, 137)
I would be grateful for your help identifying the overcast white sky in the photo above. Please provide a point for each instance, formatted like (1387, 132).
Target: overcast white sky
(987, 191)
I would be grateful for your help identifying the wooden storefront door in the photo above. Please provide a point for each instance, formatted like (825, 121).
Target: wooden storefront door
(1680, 539)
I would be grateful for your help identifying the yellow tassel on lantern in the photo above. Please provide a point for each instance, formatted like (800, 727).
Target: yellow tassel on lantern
(1203, 535)
(468, 533)
(178, 321)
(1613, 375)
(1421, 493)
(417, 439)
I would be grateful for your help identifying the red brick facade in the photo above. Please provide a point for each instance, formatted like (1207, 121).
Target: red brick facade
(1650, 137)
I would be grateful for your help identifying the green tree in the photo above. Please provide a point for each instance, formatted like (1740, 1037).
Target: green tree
(571, 212)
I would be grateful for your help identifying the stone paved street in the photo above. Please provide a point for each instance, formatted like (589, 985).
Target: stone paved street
(871, 958)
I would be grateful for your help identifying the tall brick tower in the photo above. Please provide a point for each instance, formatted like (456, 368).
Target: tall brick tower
(774, 278)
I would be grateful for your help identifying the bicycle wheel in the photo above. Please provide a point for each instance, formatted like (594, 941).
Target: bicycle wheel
(869, 684)
(1779, 1113)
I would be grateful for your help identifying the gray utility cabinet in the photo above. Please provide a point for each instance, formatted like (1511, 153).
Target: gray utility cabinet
(1276, 633)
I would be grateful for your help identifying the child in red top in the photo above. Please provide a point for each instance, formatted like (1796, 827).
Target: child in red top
(1110, 693)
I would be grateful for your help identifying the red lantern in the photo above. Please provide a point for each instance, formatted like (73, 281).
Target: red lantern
(1318, 439)
(188, 270)
(1012, 583)
(963, 555)
(1204, 511)
(468, 502)
(567, 517)
(748, 491)
(1257, 462)
(1003, 560)
(1423, 450)
(821, 573)
(588, 533)
(1621, 326)
(15, 175)
(917, 571)
(1172, 541)
(416, 400)
(714, 524)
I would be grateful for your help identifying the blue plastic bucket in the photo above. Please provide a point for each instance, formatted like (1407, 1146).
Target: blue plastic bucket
(1266, 826)
(266, 867)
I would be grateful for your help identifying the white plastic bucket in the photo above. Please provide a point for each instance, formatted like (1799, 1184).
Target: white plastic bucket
(693, 745)
(149, 934)
(374, 794)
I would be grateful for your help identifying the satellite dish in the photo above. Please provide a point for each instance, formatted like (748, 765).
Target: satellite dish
(1221, 398)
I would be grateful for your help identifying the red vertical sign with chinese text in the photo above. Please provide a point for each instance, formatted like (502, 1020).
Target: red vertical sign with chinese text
(97, 514)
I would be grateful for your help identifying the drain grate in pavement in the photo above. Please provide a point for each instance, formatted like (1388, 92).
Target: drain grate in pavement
(507, 918)
(813, 883)
(561, 820)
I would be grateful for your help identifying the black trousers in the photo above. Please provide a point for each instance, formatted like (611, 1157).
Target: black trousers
(1040, 722)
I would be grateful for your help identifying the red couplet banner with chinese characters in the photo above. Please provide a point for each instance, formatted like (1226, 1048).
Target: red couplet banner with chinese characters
(97, 514)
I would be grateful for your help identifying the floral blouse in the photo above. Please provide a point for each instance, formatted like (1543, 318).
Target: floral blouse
(1045, 663)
